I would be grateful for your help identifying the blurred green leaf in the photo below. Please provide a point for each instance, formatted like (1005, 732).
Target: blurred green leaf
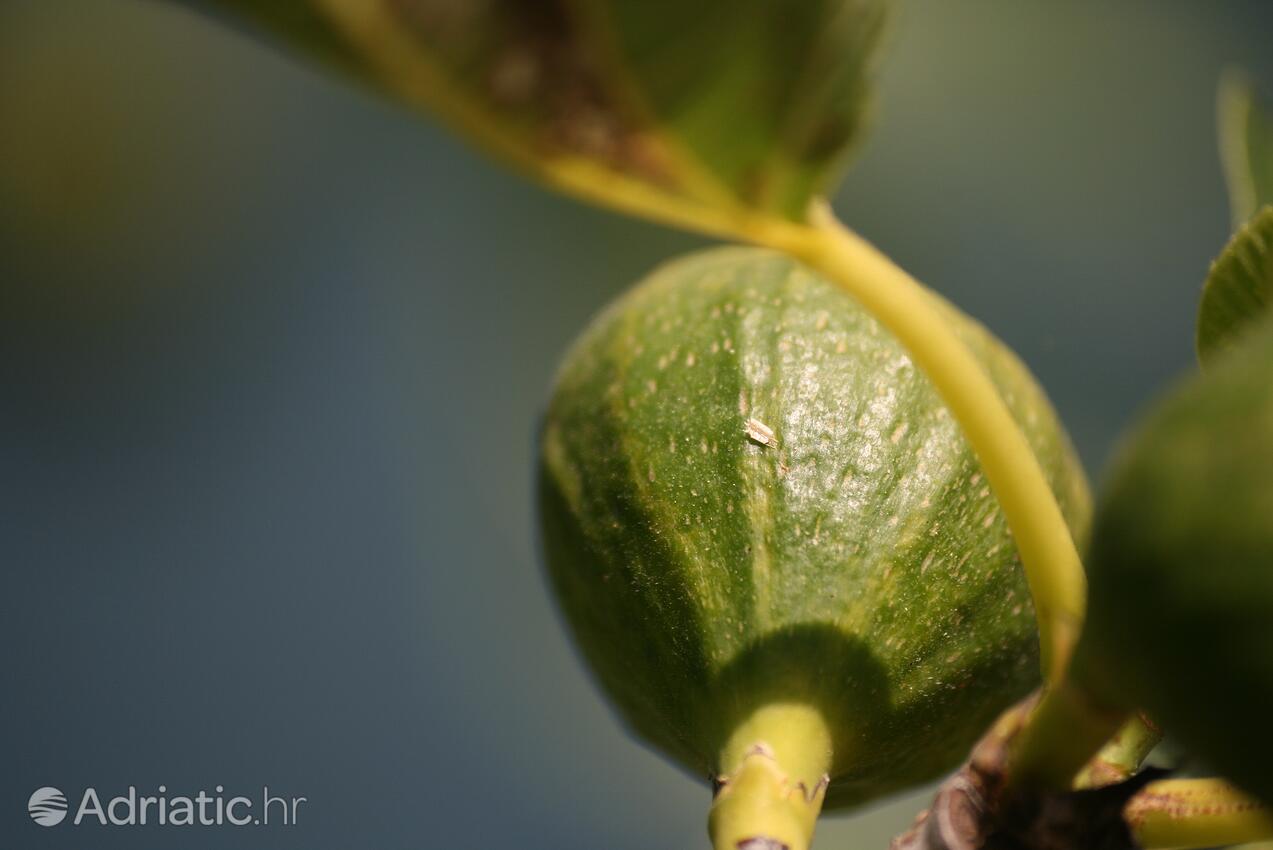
(1180, 619)
(1246, 146)
(1238, 289)
(693, 113)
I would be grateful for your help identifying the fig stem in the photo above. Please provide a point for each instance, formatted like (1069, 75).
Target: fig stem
(773, 779)
(1178, 814)
(1123, 755)
(1058, 739)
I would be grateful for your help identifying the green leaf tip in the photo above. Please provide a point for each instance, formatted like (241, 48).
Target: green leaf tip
(1246, 145)
(1238, 288)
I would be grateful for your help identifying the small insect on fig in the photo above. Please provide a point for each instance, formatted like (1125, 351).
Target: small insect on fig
(761, 433)
(811, 631)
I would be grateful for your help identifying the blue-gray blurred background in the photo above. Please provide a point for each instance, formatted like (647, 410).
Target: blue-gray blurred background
(272, 353)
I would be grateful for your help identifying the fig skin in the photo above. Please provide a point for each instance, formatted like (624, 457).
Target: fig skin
(856, 563)
(1180, 619)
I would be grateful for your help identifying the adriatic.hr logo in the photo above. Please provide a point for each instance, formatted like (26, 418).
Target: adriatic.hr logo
(48, 806)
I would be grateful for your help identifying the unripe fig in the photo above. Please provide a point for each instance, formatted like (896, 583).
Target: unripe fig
(775, 548)
(1180, 619)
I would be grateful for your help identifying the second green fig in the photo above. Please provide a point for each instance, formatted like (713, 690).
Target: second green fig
(1180, 620)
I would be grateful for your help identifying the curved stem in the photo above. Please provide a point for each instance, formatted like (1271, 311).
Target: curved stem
(1177, 814)
(1051, 561)
(773, 780)
(900, 303)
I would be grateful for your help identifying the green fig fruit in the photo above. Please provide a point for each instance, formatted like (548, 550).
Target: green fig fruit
(774, 546)
(1180, 619)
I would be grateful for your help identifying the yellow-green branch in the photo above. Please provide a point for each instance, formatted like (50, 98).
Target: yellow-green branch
(1179, 814)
